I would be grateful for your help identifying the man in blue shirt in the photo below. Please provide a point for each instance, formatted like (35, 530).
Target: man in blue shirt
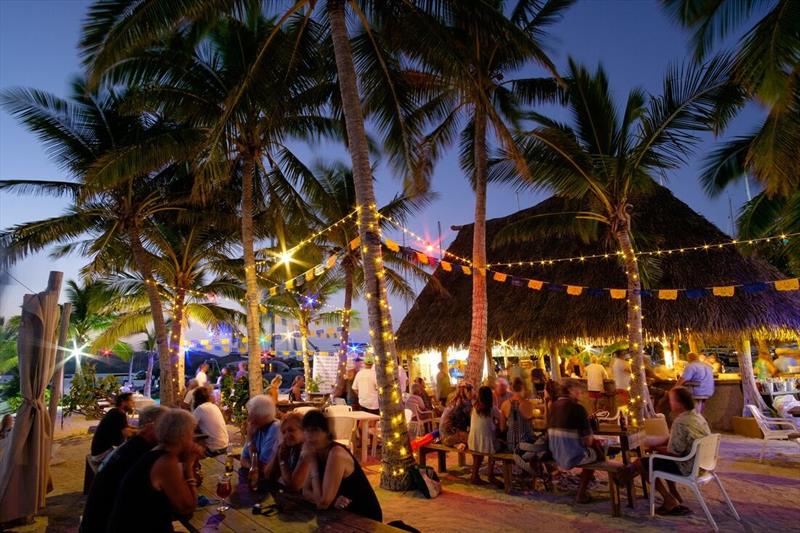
(263, 432)
(700, 378)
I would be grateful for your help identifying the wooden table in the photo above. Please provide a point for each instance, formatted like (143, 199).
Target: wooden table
(630, 440)
(363, 419)
(285, 407)
(289, 512)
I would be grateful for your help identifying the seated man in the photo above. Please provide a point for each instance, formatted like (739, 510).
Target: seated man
(113, 428)
(108, 479)
(188, 399)
(688, 426)
(570, 435)
(263, 432)
(701, 375)
(210, 422)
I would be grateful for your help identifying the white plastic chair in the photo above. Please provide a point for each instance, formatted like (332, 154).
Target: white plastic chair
(704, 453)
(771, 428)
(337, 409)
(339, 401)
(303, 410)
(342, 429)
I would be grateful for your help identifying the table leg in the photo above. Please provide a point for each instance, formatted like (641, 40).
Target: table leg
(615, 504)
(442, 461)
(364, 440)
(624, 448)
(507, 476)
(421, 457)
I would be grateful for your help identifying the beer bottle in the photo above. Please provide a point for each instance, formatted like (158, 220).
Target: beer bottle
(253, 475)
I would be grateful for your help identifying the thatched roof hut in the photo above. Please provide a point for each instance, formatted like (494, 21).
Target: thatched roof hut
(529, 317)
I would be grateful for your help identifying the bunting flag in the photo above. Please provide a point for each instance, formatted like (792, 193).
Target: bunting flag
(289, 284)
(355, 243)
(331, 262)
(535, 284)
(422, 258)
(517, 282)
(618, 294)
(273, 291)
(391, 245)
(309, 275)
(499, 276)
(788, 284)
(447, 267)
(574, 290)
(319, 270)
(466, 270)
(725, 292)
(668, 294)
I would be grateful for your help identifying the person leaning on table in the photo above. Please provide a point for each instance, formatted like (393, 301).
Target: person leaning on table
(688, 426)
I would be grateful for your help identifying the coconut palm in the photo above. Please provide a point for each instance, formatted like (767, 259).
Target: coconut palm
(603, 159)
(9, 329)
(116, 28)
(471, 74)
(78, 132)
(767, 66)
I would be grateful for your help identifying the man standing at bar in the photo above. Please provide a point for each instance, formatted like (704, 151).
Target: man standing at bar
(700, 377)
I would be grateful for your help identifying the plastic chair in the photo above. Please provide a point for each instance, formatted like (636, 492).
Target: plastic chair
(419, 419)
(336, 409)
(339, 401)
(771, 428)
(705, 453)
(342, 429)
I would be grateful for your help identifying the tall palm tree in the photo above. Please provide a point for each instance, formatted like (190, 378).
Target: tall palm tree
(767, 67)
(78, 133)
(115, 28)
(9, 329)
(603, 159)
(471, 60)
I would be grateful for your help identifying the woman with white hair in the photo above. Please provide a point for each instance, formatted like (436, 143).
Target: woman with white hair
(162, 483)
(263, 432)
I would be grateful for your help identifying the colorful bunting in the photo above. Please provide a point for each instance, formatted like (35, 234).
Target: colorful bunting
(535, 284)
(618, 294)
(725, 292)
(447, 267)
(273, 291)
(574, 290)
(331, 261)
(466, 270)
(422, 258)
(309, 275)
(788, 284)
(499, 276)
(355, 243)
(391, 245)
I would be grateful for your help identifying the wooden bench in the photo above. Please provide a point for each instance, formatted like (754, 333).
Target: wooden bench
(618, 473)
(506, 459)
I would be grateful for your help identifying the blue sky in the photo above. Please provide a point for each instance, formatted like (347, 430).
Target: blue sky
(634, 40)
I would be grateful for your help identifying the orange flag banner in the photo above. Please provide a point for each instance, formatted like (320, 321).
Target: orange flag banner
(535, 284)
(618, 294)
(499, 276)
(574, 290)
(725, 292)
(788, 284)
(668, 294)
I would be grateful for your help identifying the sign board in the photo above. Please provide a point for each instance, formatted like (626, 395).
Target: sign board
(324, 371)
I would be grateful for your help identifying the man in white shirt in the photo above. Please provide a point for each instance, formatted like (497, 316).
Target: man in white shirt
(210, 422)
(365, 385)
(595, 375)
(621, 370)
(202, 375)
(188, 398)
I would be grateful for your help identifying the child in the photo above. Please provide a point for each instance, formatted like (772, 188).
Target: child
(482, 431)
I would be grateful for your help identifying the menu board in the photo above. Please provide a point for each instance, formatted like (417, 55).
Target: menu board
(324, 371)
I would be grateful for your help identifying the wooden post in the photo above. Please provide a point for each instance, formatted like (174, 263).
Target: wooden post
(750, 392)
(555, 371)
(58, 374)
(491, 376)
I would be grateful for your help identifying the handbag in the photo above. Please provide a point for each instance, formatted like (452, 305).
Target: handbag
(426, 481)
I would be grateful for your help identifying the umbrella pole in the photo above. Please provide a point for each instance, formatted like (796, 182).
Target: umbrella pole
(58, 376)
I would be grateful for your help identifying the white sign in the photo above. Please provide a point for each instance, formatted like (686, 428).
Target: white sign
(324, 371)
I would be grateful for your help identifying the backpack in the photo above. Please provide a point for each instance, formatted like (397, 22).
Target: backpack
(426, 481)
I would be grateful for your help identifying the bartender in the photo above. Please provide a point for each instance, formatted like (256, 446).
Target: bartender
(786, 362)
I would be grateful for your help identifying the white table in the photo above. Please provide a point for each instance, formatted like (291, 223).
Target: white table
(141, 402)
(363, 419)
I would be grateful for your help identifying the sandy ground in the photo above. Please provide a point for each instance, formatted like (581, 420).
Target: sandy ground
(766, 496)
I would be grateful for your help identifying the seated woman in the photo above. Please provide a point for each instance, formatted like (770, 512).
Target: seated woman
(263, 431)
(426, 398)
(417, 404)
(275, 387)
(687, 426)
(335, 478)
(162, 483)
(289, 467)
(570, 437)
(516, 415)
(454, 425)
(482, 432)
(296, 392)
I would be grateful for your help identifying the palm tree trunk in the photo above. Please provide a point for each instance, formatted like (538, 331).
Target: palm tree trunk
(345, 337)
(175, 343)
(304, 347)
(148, 384)
(253, 348)
(641, 405)
(750, 392)
(167, 388)
(396, 457)
(477, 341)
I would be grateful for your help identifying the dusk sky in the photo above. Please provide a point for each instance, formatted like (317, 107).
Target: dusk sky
(634, 40)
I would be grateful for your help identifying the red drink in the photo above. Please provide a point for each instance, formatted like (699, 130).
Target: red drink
(224, 489)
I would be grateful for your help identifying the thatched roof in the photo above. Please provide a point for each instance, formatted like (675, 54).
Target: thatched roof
(531, 317)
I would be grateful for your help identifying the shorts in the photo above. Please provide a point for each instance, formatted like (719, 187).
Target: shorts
(595, 395)
(623, 397)
(662, 465)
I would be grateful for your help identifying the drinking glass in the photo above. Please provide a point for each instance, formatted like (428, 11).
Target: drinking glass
(224, 490)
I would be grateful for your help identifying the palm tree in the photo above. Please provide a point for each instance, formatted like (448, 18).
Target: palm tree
(330, 192)
(115, 28)
(471, 60)
(9, 329)
(148, 345)
(603, 160)
(78, 132)
(767, 67)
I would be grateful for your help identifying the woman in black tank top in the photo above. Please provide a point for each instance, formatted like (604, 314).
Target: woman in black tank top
(335, 478)
(161, 485)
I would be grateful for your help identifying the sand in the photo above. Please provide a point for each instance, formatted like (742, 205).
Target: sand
(767, 496)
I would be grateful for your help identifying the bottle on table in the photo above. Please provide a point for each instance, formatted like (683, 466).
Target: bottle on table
(623, 422)
(253, 475)
(229, 461)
